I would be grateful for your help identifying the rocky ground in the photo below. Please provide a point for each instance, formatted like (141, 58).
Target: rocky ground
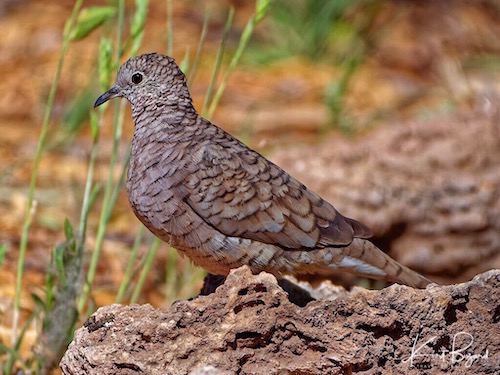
(249, 326)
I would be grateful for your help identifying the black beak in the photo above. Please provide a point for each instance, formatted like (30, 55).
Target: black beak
(113, 92)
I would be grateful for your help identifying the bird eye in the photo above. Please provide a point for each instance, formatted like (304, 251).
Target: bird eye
(137, 78)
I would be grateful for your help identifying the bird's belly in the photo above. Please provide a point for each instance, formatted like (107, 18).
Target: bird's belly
(161, 208)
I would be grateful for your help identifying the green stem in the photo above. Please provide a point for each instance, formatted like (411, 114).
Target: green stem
(40, 147)
(128, 271)
(110, 195)
(153, 248)
(108, 202)
(218, 61)
(244, 39)
(170, 28)
(119, 32)
(86, 203)
(201, 44)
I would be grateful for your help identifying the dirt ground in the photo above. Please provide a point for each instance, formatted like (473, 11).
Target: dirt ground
(426, 60)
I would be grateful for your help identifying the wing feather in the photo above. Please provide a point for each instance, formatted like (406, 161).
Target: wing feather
(241, 193)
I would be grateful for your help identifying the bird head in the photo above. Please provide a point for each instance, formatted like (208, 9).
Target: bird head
(150, 79)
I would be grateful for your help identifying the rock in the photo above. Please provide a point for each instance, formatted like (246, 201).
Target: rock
(249, 326)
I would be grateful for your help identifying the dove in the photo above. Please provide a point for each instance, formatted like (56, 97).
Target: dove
(223, 204)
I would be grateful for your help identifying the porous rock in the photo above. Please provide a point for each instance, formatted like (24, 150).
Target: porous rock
(249, 326)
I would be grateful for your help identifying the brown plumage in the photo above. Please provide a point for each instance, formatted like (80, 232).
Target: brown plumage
(222, 203)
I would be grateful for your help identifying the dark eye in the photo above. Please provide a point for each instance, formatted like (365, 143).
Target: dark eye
(137, 78)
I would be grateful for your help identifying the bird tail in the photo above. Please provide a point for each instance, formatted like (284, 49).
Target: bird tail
(362, 258)
(365, 259)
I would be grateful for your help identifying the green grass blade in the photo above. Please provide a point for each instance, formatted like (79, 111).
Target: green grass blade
(170, 28)
(3, 252)
(108, 203)
(201, 43)
(262, 7)
(150, 257)
(89, 19)
(38, 156)
(130, 265)
(218, 62)
(138, 23)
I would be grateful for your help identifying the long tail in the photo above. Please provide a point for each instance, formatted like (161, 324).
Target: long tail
(362, 258)
(365, 259)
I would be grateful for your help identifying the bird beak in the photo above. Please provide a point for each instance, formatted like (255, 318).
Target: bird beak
(113, 92)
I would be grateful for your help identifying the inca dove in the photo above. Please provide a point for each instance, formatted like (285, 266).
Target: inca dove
(223, 204)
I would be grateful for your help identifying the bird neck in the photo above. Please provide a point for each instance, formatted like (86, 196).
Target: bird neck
(172, 112)
(164, 122)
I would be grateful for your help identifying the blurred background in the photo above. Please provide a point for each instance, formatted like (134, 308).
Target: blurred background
(389, 109)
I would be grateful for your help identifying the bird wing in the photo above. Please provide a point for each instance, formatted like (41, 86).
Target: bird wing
(241, 193)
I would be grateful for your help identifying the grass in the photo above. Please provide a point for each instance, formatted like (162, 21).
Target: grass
(16, 336)
(320, 31)
(65, 301)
